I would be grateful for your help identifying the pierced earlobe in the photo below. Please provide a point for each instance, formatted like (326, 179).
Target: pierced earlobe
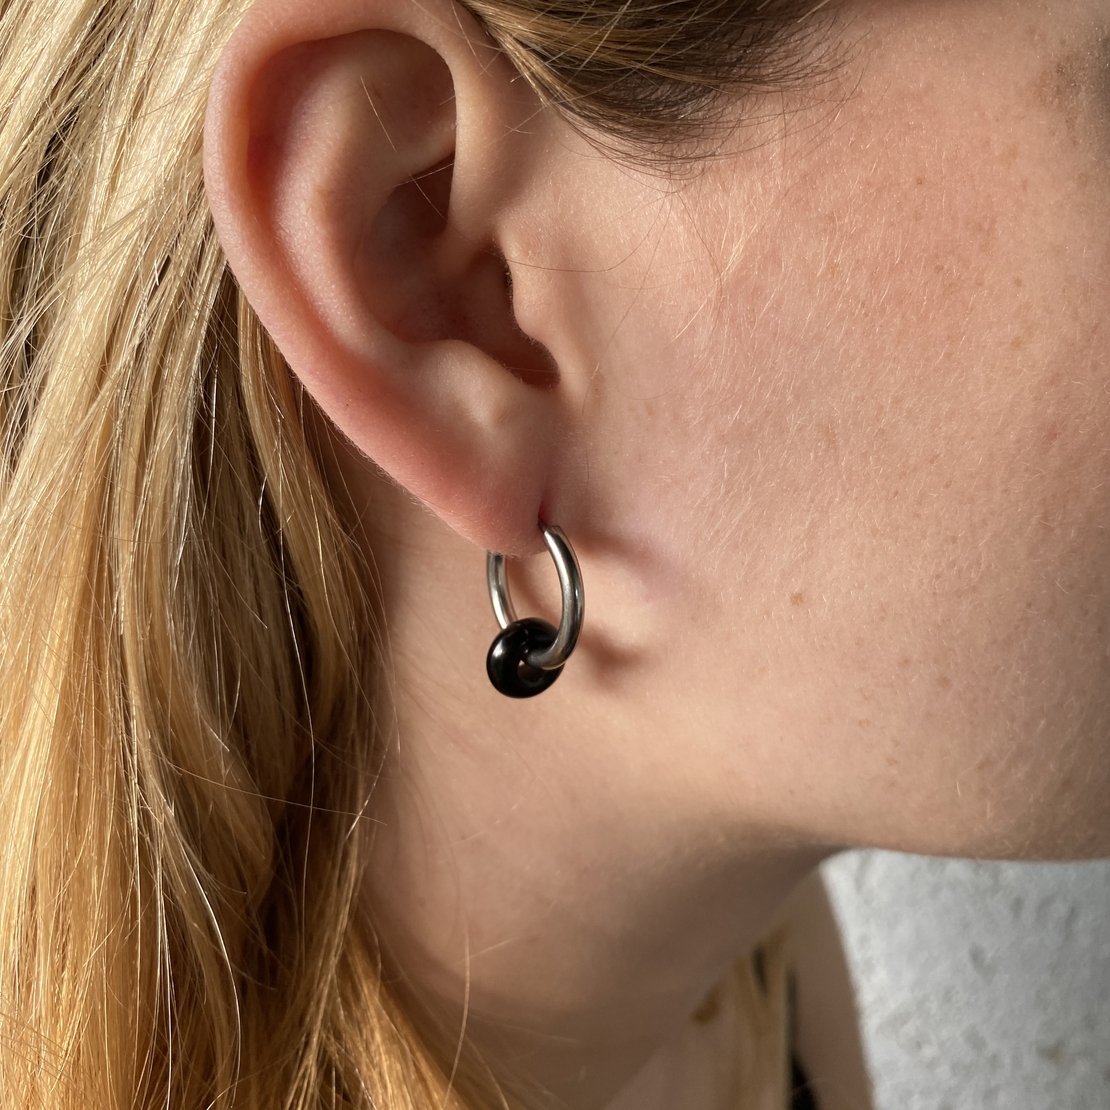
(528, 655)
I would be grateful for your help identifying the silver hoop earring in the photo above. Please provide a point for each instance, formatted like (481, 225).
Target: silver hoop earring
(528, 655)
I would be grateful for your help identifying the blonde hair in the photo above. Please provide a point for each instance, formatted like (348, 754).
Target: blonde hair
(186, 740)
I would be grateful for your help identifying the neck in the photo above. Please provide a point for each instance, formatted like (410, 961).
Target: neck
(538, 865)
(573, 950)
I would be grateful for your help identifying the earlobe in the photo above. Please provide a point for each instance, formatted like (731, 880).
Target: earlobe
(335, 134)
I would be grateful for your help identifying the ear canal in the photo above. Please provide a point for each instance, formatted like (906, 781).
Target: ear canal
(531, 363)
(428, 282)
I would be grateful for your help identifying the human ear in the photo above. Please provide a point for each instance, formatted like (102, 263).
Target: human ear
(358, 159)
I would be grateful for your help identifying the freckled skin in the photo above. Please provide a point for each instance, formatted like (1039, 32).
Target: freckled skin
(890, 315)
(840, 484)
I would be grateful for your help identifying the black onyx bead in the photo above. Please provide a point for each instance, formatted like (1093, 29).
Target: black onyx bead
(505, 664)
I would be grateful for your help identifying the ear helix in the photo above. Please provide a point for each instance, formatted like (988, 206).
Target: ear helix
(527, 656)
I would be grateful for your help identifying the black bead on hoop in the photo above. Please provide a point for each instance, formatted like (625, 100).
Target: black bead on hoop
(528, 655)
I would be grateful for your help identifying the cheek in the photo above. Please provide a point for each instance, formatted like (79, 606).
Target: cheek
(873, 400)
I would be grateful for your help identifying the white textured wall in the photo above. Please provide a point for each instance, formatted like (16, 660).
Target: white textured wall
(981, 985)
